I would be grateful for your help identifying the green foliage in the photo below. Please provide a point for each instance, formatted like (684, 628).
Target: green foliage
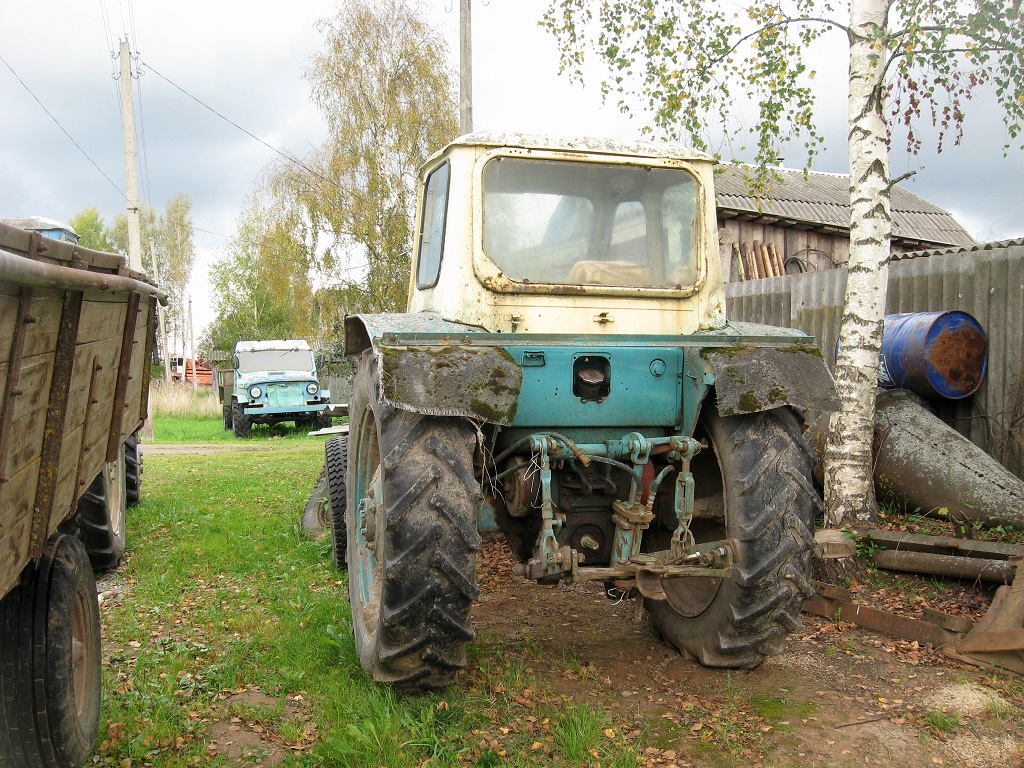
(92, 232)
(690, 64)
(941, 720)
(261, 287)
(383, 84)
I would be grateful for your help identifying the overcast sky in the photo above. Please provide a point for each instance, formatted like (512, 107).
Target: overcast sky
(246, 60)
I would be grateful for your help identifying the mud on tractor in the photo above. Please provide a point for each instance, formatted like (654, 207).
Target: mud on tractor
(566, 375)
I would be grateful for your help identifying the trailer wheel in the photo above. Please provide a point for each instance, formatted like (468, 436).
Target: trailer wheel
(241, 422)
(336, 465)
(132, 470)
(100, 519)
(50, 668)
(323, 420)
(412, 539)
(758, 475)
(226, 416)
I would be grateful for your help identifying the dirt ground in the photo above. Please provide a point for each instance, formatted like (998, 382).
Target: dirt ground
(838, 696)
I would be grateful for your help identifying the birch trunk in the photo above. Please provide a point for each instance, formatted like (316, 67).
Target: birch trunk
(849, 491)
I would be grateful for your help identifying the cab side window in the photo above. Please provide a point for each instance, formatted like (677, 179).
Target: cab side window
(435, 206)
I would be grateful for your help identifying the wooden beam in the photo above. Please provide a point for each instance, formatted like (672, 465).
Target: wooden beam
(56, 420)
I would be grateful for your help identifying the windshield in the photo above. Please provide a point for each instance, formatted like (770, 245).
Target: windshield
(572, 223)
(275, 360)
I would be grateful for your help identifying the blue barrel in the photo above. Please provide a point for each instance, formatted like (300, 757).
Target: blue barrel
(936, 354)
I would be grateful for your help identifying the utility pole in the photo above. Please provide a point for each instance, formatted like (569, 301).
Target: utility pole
(131, 187)
(465, 69)
(191, 344)
(160, 313)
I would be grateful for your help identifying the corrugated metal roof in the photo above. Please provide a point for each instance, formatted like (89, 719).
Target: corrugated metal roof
(995, 245)
(823, 199)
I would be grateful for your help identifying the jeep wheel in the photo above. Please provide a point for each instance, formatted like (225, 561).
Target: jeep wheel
(99, 521)
(758, 477)
(50, 668)
(241, 422)
(412, 539)
(336, 465)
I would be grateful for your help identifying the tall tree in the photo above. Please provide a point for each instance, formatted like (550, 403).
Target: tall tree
(261, 287)
(384, 86)
(176, 254)
(909, 62)
(92, 232)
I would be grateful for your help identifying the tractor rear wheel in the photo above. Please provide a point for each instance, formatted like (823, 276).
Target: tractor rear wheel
(757, 476)
(412, 539)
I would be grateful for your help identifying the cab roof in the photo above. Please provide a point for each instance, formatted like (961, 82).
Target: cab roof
(588, 144)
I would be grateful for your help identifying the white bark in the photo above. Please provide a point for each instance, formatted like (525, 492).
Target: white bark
(849, 493)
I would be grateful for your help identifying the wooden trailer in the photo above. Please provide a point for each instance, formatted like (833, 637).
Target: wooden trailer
(76, 340)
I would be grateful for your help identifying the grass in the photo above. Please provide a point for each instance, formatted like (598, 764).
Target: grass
(224, 616)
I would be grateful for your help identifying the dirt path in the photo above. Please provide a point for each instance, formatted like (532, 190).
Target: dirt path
(839, 696)
(157, 449)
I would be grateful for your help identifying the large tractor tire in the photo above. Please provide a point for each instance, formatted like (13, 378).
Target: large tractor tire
(50, 668)
(99, 521)
(241, 422)
(132, 470)
(336, 466)
(412, 539)
(757, 475)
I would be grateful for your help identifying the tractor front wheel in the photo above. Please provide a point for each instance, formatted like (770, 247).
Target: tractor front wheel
(412, 539)
(753, 486)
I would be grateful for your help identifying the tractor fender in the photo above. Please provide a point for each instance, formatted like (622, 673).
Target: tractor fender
(759, 373)
(436, 377)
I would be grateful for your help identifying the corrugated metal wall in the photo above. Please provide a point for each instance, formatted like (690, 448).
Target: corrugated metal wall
(987, 282)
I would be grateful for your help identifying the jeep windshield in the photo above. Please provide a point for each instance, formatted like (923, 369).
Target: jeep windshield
(275, 360)
(574, 223)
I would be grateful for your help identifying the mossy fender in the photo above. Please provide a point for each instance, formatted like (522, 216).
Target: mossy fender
(765, 368)
(481, 383)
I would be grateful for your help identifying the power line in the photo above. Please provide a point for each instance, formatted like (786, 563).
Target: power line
(290, 158)
(57, 123)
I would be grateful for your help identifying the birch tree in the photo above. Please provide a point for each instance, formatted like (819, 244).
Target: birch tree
(691, 64)
(388, 95)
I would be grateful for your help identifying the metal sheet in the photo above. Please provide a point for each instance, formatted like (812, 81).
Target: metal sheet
(474, 382)
(986, 281)
(749, 380)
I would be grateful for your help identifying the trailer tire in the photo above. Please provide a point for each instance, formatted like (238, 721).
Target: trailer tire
(132, 470)
(323, 420)
(336, 465)
(769, 503)
(226, 416)
(241, 422)
(99, 521)
(50, 669)
(412, 539)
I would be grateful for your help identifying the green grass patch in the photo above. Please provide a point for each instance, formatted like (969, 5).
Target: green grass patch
(224, 616)
(168, 429)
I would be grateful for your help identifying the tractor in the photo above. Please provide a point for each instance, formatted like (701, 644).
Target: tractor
(566, 375)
